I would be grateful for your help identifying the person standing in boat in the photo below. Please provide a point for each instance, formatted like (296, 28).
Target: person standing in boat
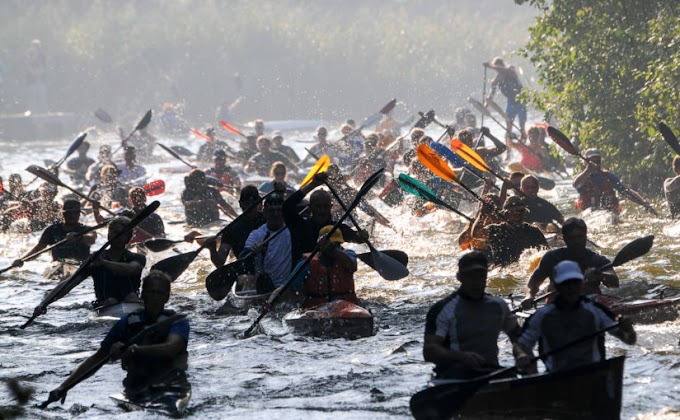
(202, 203)
(76, 248)
(575, 235)
(272, 257)
(305, 232)
(331, 271)
(462, 330)
(671, 188)
(508, 83)
(569, 317)
(508, 240)
(161, 359)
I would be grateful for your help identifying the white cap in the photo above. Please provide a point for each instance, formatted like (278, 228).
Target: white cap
(566, 270)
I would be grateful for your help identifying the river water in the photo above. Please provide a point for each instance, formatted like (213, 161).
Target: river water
(278, 375)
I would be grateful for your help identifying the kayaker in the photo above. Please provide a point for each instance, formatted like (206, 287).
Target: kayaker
(234, 238)
(575, 235)
(202, 203)
(508, 240)
(467, 136)
(278, 146)
(369, 162)
(462, 330)
(160, 359)
(278, 172)
(208, 149)
(331, 271)
(151, 227)
(305, 232)
(76, 248)
(272, 260)
(224, 173)
(322, 147)
(671, 188)
(93, 172)
(77, 167)
(540, 210)
(511, 184)
(262, 161)
(475, 236)
(42, 211)
(569, 317)
(535, 153)
(131, 172)
(109, 192)
(508, 83)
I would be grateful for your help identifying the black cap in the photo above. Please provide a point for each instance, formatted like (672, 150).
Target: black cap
(472, 261)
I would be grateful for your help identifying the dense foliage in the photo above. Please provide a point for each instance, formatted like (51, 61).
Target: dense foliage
(295, 58)
(610, 72)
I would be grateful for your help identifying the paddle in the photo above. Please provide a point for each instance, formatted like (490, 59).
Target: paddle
(371, 120)
(51, 247)
(141, 125)
(444, 401)
(485, 112)
(174, 266)
(455, 160)
(72, 148)
(670, 137)
(163, 244)
(219, 282)
(368, 184)
(436, 164)
(231, 128)
(154, 188)
(136, 339)
(561, 140)
(175, 155)
(386, 266)
(66, 285)
(502, 113)
(320, 166)
(103, 116)
(182, 151)
(418, 189)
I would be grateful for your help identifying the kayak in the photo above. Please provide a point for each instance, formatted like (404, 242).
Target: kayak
(599, 218)
(117, 310)
(590, 391)
(336, 319)
(642, 311)
(289, 125)
(673, 229)
(243, 294)
(170, 397)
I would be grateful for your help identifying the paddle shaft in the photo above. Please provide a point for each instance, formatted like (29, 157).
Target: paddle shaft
(66, 285)
(175, 155)
(146, 119)
(74, 146)
(134, 340)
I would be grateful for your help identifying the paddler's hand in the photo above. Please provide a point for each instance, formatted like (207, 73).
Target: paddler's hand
(189, 237)
(129, 355)
(363, 235)
(472, 360)
(18, 263)
(71, 236)
(116, 351)
(485, 131)
(527, 303)
(257, 248)
(320, 178)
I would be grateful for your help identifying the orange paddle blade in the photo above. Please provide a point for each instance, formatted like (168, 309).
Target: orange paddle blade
(436, 164)
(231, 128)
(466, 152)
(321, 166)
(201, 135)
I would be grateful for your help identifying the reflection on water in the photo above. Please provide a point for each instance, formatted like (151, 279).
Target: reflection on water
(276, 375)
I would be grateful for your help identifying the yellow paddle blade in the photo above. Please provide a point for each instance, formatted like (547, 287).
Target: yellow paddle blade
(436, 164)
(466, 152)
(321, 166)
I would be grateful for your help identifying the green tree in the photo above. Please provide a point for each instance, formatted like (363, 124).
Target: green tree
(609, 71)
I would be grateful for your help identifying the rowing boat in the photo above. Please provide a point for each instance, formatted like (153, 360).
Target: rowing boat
(587, 392)
(336, 319)
(169, 397)
(599, 218)
(117, 310)
(642, 311)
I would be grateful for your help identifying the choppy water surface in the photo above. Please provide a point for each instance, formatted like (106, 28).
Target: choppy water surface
(278, 375)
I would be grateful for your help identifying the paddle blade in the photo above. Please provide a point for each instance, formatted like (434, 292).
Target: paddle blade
(388, 267)
(44, 174)
(634, 249)
(146, 119)
(397, 257)
(219, 282)
(320, 166)
(389, 107)
(201, 135)
(670, 137)
(479, 106)
(434, 163)
(447, 154)
(160, 244)
(425, 119)
(231, 128)
(154, 188)
(176, 265)
(466, 152)
(76, 144)
(417, 188)
(182, 151)
(561, 140)
(103, 116)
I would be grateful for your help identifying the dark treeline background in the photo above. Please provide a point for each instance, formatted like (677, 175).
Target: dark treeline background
(295, 59)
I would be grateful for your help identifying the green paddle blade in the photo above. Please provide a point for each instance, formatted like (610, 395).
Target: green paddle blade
(417, 188)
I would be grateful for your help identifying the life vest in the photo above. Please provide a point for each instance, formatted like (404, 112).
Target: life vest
(598, 197)
(328, 283)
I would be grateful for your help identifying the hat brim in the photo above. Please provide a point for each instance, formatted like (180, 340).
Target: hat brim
(473, 267)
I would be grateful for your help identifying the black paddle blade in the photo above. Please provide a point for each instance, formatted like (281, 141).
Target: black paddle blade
(395, 254)
(219, 282)
(44, 174)
(160, 244)
(670, 137)
(389, 107)
(103, 116)
(563, 141)
(183, 151)
(176, 265)
(634, 249)
(76, 143)
(146, 119)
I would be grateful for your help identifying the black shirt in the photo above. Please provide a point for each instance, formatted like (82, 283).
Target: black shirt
(508, 242)
(237, 234)
(541, 210)
(76, 250)
(108, 284)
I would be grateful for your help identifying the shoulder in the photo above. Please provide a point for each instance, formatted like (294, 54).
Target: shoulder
(134, 257)
(496, 300)
(438, 307)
